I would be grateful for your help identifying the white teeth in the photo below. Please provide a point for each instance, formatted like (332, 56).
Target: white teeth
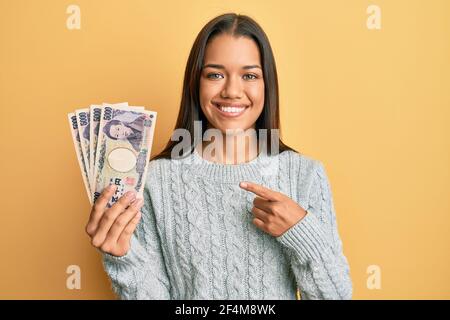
(232, 109)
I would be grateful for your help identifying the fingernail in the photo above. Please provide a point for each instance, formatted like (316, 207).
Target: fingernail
(243, 184)
(111, 187)
(138, 202)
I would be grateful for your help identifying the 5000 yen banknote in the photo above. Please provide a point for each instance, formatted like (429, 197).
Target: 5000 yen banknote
(95, 112)
(123, 150)
(95, 116)
(84, 134)
(77, 144)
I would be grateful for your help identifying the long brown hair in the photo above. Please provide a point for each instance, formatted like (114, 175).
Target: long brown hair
(190, 111)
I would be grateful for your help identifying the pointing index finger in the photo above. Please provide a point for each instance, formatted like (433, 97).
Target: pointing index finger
(260, 190)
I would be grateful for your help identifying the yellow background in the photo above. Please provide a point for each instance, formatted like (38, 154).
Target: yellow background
(372, 105)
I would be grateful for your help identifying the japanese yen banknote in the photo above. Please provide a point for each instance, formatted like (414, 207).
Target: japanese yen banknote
(112, 143)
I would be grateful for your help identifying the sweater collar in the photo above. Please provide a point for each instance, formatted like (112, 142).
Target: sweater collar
(263, 164)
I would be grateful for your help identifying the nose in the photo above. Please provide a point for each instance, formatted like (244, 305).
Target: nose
(232, 88)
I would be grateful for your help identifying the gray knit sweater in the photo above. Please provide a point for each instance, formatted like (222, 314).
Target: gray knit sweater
(196, 239)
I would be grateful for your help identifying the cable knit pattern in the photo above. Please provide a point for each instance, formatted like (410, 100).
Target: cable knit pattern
(255, 261)
(284, 187)
(196, 239)
(197, 234)
(235, 244)
(216, 236)
(272, 258)
(180, 231)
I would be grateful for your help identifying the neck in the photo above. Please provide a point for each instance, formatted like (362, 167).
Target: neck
(234, 148)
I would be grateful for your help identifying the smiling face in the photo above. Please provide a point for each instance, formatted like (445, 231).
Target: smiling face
(231, 83)
(119, 131)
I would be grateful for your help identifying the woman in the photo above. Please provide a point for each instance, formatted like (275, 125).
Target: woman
(260, 228)
(123, 130)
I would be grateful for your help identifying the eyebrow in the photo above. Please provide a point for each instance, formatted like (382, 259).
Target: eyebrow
(219, 66)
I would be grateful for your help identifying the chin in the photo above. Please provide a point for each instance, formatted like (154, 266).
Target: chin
(231, 128)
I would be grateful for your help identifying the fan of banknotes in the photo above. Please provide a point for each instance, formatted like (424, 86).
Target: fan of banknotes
(113, 143)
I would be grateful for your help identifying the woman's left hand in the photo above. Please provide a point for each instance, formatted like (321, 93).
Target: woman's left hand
(274, 212)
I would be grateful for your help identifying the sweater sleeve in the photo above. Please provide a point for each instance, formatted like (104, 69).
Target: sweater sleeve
(317, 260)
(141, 272)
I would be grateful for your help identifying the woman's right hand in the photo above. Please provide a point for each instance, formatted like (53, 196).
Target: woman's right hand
(111, 229)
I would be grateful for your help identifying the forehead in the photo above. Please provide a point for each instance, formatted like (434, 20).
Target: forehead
(232, 51)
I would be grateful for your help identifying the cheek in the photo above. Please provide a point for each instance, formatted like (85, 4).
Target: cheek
(204, 93)
(256, 95)
(207, 91)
